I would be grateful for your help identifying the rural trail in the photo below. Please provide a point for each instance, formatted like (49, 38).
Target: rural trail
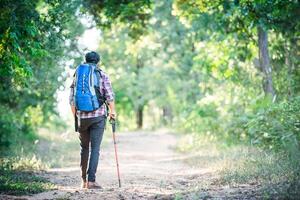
(150, 169)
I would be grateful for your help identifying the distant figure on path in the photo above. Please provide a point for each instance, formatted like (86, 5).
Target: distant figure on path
(91, 97)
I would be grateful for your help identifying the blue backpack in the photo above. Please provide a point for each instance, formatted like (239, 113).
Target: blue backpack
(87, 88)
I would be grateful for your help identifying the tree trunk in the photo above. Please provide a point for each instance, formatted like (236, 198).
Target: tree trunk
(167, 115)
(139, 116)
(264, 61)
(140, 103)
(288, 63)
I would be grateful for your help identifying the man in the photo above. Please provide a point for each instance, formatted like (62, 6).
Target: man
(91, 126)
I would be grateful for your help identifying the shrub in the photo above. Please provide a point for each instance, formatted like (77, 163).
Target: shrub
(277, 126)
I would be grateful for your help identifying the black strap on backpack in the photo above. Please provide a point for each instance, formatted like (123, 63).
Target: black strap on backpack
(101, 97)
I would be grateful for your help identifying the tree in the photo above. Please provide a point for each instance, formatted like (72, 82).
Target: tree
(133, 14)
(32, 47)
(264, 60)
(197, 48)
(242, 16)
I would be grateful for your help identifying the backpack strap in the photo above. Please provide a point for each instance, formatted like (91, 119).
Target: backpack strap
(101, 97)
(91, 79)
(99, 77)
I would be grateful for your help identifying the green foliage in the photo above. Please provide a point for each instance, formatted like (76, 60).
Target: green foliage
(197, 62)
(243, 15)
(276, 126)
(18, 176)
(15, 129)
(234, 23)
(133, 14)
(32, 46)
(22, 183)
(202, 119)
(191, 64)
(22, 163)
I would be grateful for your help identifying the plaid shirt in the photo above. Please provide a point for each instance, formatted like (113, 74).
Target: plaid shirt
(106, 89)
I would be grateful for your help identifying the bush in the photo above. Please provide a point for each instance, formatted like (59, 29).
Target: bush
(22, 163)
(277, 126)
(202, 119)
(18, 129)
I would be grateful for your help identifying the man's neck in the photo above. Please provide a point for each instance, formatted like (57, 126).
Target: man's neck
(91, 63)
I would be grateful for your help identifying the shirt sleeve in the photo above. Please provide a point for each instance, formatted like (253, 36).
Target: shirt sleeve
(71, 97)
(107, 87)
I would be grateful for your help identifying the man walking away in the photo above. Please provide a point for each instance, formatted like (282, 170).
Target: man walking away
(90, 91)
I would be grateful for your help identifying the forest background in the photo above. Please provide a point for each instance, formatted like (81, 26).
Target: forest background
(221, 71)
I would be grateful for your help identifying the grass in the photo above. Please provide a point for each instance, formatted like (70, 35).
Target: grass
(271, 174)
(14, 182)
(19, 176)
(21, 173)
(276, 174)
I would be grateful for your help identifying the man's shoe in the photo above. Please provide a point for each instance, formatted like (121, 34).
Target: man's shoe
(93, 185)
(83, 184)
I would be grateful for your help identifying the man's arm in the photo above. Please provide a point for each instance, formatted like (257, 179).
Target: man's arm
(71, 99)
(72, 105)
(112, 110)
(109, 95)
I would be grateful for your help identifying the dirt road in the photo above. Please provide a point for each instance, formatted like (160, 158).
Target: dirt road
(150, 169)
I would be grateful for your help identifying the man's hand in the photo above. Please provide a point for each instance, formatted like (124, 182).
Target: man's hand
(73, 110)
(112, 116)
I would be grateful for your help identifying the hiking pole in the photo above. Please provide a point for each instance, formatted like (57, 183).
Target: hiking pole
(113, 124)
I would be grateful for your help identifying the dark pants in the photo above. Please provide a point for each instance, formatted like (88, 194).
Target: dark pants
(91, 132)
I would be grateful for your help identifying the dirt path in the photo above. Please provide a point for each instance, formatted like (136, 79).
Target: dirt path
(150, 169)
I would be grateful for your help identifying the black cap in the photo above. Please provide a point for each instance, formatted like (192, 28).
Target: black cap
(92, 57)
